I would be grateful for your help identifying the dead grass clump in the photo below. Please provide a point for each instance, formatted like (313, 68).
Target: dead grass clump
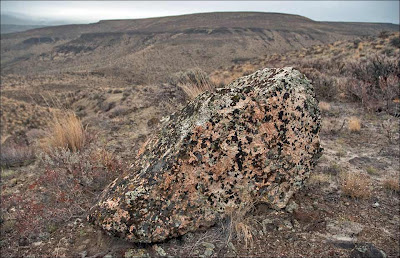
(355, 185)
(392, 184)
(67, 133)
(193, 82)
(354, 124)
(316, 179)
(240, 223)
(324, 106)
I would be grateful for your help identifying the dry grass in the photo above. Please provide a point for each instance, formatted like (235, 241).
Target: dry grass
(354, 124)
(392, 184)
(194, 82)
(240, 223)
(66, 132)
(355, 185)
(320, 178)
(324, 106)
(193, 90)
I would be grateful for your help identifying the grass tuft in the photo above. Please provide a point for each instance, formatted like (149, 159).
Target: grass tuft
(355, 185)
(392, 184)
(194, 82)
(324, 106)
(354, 124)
(66, 132)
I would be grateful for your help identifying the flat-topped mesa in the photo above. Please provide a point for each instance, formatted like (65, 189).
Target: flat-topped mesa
(258, 137)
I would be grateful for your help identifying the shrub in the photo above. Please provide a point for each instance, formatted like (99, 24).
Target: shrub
(325, 86)
(316, 179)
(16, 155)
(193, 82)
(375, 81)
(66, 132)
(392, 184)
(354, 124)
(68, 184)
(395, 42)
(355, 185)
(324, 106)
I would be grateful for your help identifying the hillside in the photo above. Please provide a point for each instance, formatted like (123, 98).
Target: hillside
(80, 104)
(161, 46)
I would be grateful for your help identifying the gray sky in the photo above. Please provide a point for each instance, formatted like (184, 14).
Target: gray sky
(92, 11)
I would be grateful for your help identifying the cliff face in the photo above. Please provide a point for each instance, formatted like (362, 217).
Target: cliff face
(255, 140)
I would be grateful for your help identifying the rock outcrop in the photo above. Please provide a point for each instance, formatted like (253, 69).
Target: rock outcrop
(256, 139)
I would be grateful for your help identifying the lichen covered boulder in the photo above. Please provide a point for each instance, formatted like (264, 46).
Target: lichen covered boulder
(257, 137)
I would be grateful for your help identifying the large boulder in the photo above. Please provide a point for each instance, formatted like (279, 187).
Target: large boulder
(255, 139)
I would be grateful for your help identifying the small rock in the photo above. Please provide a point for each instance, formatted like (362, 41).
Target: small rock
(23, 241)
(59, 252)
(39, 243)
(375, 205)
(8, 226)
(347, 203)
(209, 249)
(159, 250)
(232, 247)
(286, 224)
(83, 254)
(367, 250)
(267, 225)
(136, 253)
(292, 206)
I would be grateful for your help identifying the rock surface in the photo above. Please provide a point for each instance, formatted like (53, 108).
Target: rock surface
(255, 140)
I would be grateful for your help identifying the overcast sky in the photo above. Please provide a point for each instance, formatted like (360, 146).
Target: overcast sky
(93, 11)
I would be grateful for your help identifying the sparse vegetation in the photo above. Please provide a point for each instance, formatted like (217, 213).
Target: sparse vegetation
(240, 222)
(193, 82)
(324, 106)
(354, 124)
(355, 185)
(371, 170)
(392, 184)
(318, 178)
(16, 155)
(66, 132)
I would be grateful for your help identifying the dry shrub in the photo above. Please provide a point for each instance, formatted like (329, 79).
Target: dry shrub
(374, 81)
(316, 179)
(240, 222)
(324, 106)
(193, 82)
(392, 184)
(355, 185)
(354, 124)
(66, 132)
(68, 184)
(12, 156)
(325, 86)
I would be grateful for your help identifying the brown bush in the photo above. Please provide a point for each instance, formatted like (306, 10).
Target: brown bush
(355, 185)
(392, 184)
(324, 106)
(354, 124)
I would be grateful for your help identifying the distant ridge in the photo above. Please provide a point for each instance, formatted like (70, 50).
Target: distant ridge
(166, 45)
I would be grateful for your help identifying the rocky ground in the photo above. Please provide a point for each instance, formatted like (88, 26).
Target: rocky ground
(335, 214)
